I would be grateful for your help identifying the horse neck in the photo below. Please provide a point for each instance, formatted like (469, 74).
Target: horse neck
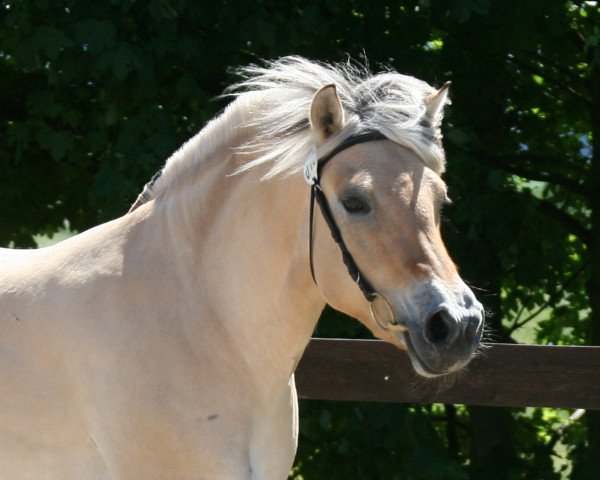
(241, 244)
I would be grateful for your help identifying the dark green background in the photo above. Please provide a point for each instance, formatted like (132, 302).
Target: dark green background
(94, 96)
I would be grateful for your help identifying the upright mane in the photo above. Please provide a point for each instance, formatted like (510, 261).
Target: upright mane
(274, 101)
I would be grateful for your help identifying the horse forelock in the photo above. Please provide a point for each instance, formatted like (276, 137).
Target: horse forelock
(274, 100)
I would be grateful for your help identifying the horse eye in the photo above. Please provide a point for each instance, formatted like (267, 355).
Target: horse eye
(355, 205)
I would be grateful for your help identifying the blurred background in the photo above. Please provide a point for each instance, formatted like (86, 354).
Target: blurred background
(94, 96)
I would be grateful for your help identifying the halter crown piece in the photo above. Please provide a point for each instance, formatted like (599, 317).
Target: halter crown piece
(312, 176)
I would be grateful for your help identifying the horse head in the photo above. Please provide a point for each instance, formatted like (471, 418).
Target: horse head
(382, 203)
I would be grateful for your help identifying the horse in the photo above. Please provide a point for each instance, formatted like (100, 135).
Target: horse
(163, 343)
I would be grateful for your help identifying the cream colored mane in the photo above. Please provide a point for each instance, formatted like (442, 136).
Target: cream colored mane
(274, 101)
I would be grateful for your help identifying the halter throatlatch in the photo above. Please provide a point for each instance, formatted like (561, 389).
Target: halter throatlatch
(312, 174)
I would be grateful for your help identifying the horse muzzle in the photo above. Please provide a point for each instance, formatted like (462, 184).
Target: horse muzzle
(441, 327)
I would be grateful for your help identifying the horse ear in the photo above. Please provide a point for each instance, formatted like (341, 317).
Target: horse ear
(435, 102)
(326, 113)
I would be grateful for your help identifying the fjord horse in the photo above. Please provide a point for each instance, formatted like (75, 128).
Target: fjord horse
(162, 345)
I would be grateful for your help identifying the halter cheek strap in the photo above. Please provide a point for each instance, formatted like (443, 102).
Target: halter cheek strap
(312, 173)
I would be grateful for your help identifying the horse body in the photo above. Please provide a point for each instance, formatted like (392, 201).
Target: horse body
(143, 338)
(163, 344)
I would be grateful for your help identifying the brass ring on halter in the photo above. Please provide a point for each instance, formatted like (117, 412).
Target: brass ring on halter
(382, 313)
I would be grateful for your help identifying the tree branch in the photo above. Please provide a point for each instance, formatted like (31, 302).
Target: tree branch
(577, 39)
(554, 81)
(553, 298)
(566, 220)
(507, 164)
(560, 432)
(572, 185)
(559, 67)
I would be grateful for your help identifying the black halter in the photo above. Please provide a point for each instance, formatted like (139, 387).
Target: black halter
(317, 195)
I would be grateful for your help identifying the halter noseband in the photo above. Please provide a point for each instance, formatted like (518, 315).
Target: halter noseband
(312, 173)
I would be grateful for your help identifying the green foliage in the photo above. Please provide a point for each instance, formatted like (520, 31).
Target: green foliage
(95, 95)
(339, 443)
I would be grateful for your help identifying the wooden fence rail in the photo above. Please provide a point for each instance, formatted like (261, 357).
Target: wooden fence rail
(503, 375)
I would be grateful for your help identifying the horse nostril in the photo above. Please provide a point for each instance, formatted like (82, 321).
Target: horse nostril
(437, 329)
